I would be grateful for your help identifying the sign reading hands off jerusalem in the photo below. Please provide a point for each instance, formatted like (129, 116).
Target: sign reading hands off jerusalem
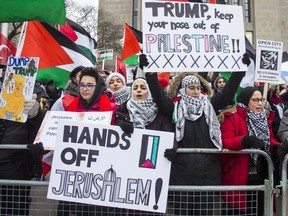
(182, 36)
(102, 165)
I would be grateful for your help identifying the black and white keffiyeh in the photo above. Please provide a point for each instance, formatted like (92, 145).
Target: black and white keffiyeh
(257, 125)
(142, 113)
(122, 95)
(190, 108)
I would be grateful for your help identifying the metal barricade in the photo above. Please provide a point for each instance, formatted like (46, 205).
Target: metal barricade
(206, 199)
(284, 186)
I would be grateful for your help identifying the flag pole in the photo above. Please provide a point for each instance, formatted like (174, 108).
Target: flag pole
(116, 64)
(4, 29)
(20, 39)
(103, 64)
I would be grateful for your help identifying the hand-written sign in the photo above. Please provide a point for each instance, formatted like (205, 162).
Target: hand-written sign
(18, 86)
(192, 37)
(104, 166)
(48, 130)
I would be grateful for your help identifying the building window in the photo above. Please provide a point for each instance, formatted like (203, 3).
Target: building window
(247, 8)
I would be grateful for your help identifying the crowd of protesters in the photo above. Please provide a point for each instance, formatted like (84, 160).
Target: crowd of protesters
(202, 113)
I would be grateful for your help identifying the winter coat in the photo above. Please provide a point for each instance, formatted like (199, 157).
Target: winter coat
(224, 98)
(235, 166)
(188, 169)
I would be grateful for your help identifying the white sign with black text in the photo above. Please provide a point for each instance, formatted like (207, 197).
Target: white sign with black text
(183, 36)
(101, 165)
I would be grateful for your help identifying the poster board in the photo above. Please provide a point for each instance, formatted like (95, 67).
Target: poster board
(48, 129)
(268, 61)
(118, 170)
(185, 37)
(17, 86)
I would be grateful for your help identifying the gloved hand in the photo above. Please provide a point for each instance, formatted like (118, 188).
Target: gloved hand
(252, 142)
(36, 150)
(170, 154)
(143, 61)
(31, 107)
(127, 127)
(245, 59)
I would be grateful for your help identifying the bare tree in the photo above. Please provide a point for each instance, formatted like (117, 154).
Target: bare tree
(100, 25)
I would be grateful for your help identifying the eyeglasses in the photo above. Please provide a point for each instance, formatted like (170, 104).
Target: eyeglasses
(88, 86)
(257, 100)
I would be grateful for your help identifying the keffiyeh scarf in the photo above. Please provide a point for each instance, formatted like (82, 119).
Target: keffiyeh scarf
(142, 113)
(257, 125)
(122, 95)
(190, 108)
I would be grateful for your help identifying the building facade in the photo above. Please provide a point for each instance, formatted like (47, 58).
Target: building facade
(264, 19)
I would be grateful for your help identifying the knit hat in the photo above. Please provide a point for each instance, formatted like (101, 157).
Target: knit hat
(246, 94)
(119, 75)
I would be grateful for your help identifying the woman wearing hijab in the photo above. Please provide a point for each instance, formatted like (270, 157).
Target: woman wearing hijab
(196, 126)
(245, 126)
(140, 111)
(116, 84)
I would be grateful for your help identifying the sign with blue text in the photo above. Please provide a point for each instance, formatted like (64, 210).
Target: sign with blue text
(102, 165)
(185, 37)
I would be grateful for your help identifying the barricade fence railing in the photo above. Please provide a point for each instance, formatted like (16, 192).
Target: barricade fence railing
(182, 199)
(284, 186)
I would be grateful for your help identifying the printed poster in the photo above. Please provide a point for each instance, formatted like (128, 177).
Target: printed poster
(102, 165)
(48, 129)
(18, 86)
(268, 61)
(185, 37)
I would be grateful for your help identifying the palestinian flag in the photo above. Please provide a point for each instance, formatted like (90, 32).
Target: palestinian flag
(105, 55)
(59, 55)
(81, 37)
(131, 47)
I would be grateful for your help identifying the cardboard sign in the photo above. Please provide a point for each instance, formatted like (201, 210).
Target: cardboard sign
(183, 36)
(48, 130)
(101, 165)
(268, 61)
(18, 86)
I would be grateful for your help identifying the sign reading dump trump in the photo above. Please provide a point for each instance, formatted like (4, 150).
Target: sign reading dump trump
(101, 165)
(183, 36)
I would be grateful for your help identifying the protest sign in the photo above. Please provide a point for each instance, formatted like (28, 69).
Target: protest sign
(268, 61)
(18, 86)
(48, 130)
(183, 36)
(102, 165)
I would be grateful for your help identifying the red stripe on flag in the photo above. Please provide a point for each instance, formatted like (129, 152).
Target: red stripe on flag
(39, 42)
(131, 45)
(68, 31)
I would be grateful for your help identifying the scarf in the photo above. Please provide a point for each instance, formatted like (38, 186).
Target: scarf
(190, 108)
(122, 95)
(257, 125)
(142, 113)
